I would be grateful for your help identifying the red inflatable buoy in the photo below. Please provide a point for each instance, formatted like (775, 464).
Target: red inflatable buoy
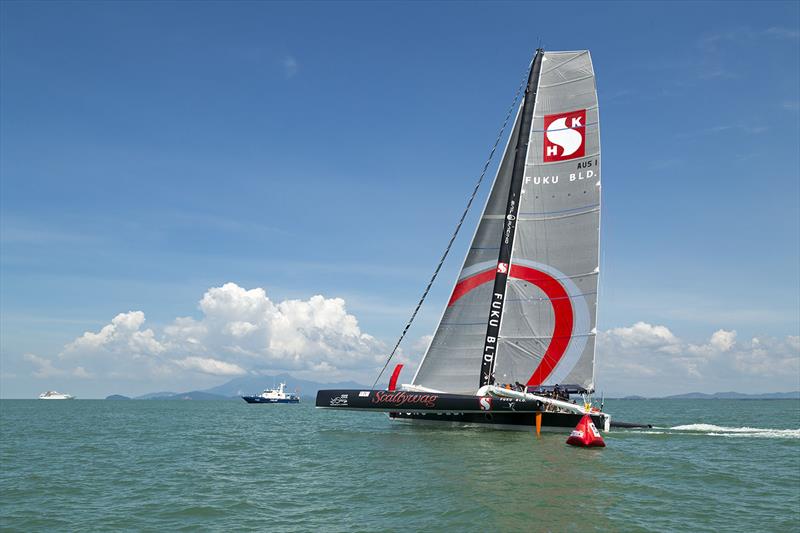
(585, 434)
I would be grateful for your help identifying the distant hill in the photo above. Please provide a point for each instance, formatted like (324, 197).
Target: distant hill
(795, 395)
(237, 387)
(250, 384)
(151, 395)
(117, 397)
(255, 384)
(191, 395)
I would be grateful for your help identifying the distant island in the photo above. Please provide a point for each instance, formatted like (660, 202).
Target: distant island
(237, 387)
(190, 395)
(795, 395)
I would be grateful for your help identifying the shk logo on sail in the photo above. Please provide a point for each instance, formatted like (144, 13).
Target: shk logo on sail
(564, 136)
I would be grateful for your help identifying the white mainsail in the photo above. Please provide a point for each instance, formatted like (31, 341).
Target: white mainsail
(547, 326)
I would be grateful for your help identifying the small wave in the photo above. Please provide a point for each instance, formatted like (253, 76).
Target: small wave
(722, 431)
(770, 434)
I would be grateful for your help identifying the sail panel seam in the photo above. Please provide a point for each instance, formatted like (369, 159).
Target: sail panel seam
(557, 217)
(560, 210)
(507, 338)
(589, 76)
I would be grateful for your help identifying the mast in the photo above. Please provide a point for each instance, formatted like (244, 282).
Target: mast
(507, 239)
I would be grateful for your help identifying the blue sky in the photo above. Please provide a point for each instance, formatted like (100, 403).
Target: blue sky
(150, 152)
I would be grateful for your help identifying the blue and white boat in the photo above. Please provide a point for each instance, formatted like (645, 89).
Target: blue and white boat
(54, 395)
(278, 395)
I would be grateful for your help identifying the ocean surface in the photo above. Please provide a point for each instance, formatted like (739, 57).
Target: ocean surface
(94, 465)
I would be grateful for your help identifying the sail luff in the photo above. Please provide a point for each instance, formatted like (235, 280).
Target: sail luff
(497, 304)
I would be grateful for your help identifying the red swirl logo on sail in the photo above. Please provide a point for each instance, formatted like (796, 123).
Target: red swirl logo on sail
(564, 136)
(562, 308)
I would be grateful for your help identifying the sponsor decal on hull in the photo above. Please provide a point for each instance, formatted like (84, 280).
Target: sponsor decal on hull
(485, 403)
(339, 401)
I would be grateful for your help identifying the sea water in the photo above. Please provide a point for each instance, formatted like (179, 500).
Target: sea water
(86, 465)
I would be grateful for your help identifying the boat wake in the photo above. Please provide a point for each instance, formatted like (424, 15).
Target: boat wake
(731, 432)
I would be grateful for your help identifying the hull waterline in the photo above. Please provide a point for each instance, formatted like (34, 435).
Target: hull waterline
(551, 422)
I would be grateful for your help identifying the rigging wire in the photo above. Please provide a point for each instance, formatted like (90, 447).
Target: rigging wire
(458, 226)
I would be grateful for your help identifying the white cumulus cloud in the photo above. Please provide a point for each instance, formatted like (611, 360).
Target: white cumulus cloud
(209, 365)
(246, 326)
(653, 356)
(239, 331)
(44, 366)
(123, 334)
(643, 335)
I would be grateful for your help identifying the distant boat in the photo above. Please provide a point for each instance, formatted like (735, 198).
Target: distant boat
(278, 395)
(517, 336)
(53, 395)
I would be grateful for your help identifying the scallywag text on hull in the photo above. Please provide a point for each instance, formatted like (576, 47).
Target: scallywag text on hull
(401, 398)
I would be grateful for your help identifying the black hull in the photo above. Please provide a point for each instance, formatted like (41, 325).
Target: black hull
(420, 402)
(497, 413)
